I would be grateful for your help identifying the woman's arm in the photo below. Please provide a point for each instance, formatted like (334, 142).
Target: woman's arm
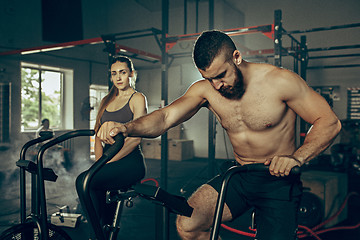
(98, 148)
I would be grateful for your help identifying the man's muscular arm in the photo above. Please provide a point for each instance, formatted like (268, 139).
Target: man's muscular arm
(323, 131)
(312, 108)
(159, 121)
(150, 126)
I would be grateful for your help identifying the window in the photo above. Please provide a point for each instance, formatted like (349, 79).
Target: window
(42, 96)
(96, 94)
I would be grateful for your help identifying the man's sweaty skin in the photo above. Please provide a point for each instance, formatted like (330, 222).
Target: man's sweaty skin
(260, 124)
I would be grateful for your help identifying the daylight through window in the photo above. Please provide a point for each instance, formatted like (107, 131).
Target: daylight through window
(41, 97)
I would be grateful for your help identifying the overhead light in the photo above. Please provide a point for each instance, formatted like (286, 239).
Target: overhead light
(45, 49)
(55, 48)
(30, 52)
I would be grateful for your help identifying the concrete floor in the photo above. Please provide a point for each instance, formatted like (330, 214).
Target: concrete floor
(139, 222)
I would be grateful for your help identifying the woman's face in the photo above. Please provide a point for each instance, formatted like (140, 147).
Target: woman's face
(120, 75)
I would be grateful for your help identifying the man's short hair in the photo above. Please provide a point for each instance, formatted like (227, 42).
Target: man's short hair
(209, 45)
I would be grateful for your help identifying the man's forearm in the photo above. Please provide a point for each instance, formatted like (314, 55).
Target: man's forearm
(318, 139)
(150, 126)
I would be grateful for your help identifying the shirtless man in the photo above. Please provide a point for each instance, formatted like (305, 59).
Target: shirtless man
(257, 105)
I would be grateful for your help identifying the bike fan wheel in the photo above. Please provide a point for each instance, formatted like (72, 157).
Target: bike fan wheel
(29, 231)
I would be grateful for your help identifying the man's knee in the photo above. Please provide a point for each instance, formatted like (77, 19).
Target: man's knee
(186, 228)
(182, 224)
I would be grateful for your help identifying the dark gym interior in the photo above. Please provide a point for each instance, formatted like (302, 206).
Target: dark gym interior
(67, 44)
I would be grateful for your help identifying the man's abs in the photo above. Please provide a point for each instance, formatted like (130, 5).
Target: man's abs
(258, 146)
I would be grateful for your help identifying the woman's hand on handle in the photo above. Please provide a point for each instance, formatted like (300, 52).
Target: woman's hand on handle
(110, 129)
(281, 165)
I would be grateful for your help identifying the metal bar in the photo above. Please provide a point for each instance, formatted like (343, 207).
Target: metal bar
(134, 32)
(157, 40)
(122, 48)
(196, 15)
(116, 223)
(137, 36)
(84, 183)
(258, 52)
(334, 48)
(336, 56)
(284, 32)
(267, 30)
(248, 30)
(230, 32)
(185, 16)
(335, 66)
(184, 54)
(295, 59)
(156, 31)
(108, 42)
(98, 40)
(284, 52)
(277, 38)
(164, 88)
(53, 47)
(220, 203)
(22, 195)
(211, 14)
(303, 68)
(23, 176)
(110, 48)
(325, 28)
(164, 100)
(136, 56)
(212, 119)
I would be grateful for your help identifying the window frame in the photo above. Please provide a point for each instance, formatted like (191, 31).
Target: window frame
(66, 86)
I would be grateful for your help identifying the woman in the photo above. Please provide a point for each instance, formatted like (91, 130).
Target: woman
(127, 167)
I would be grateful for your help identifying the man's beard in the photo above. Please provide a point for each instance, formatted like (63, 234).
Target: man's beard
(236, 91)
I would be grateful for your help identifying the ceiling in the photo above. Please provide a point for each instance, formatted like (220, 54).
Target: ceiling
(155, 5)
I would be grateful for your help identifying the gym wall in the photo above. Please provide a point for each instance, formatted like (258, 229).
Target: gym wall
(23, 29)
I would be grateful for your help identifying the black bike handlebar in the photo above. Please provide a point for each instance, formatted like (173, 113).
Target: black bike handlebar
(256, 167)
(260, 167)
(40, 178)
(66, 136)
(107, 156)
(43, 137)
(27, 145)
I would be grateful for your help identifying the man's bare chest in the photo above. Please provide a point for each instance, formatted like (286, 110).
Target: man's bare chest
(255, 112)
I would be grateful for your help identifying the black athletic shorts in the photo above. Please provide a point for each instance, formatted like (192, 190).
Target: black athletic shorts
(276, 200)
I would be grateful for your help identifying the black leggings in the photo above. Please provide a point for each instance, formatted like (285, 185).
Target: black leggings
(112, 176)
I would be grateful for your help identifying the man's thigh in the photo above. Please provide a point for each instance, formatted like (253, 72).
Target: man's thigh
(234, 198)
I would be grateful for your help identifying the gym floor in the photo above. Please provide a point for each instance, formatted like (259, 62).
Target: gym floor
(139, 222)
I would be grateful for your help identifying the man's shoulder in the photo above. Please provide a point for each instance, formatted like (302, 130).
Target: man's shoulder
(200, 85)
(201, 82)
(283, 82)
(280, 72)
(273, 74)
(201, 88)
